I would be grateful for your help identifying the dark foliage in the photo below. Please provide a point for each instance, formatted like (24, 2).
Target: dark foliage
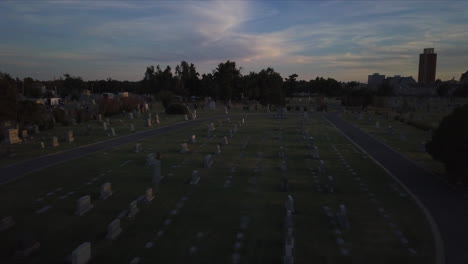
(449, 143)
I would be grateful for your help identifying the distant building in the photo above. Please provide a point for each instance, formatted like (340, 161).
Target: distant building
(108, 95)
(375, 80)
(427, 66)
(123, 94)
(464, 78)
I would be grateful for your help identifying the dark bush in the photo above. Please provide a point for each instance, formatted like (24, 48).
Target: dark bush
(420, 125)
(449, 144)
(60, 116)
(176, 109)
(166, 98)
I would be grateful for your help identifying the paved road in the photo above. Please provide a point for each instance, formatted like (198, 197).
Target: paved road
(19, 170)
(448, 206)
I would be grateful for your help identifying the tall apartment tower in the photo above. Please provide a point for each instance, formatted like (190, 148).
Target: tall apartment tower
(427, 66)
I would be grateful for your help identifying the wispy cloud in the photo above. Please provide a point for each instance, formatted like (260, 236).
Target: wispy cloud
(346, 41)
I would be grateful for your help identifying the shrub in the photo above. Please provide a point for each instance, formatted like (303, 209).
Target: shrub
(420, 125)
(166, 98)
(176, 109)
(449, 143)
(60, 116)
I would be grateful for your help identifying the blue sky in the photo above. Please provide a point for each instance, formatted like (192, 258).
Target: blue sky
(345, 40)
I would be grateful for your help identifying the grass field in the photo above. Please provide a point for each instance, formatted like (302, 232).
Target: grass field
(408, 144)
(121, 123)
(214, 221)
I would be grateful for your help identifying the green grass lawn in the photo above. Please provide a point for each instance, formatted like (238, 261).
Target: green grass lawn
(207, 223)
(408, 147)
(32, 146)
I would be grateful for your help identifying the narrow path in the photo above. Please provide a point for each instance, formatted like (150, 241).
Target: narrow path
(20, 169)
(447, 206)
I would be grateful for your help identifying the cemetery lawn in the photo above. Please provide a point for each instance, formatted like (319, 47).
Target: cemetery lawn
(214, 220)
(120, 122)
(409, 147)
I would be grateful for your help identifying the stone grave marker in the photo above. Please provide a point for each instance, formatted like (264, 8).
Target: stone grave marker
(82, 254)
(149, 159)
(377, 124)
(113, 229)
(157, 119)
(132, 127)
(315, 153)
(183, 148)
(42, 145)
(195, 177)
(133, 209)
(225, 140)
(130, 116)
(83, 205)
(149, 195)
(112, 131)
(331, 184)
(138, 147)
(11, 136)
(99, 117)
(104, 126)
(148, 122)
(106, 191)
(218, 149)
(70, 137)
(36, 129)
(192, 139)
(55, 142)
(208, 161)
(186, 117)
(290, 204)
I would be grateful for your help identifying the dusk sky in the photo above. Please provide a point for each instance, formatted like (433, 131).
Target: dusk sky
(344, 40)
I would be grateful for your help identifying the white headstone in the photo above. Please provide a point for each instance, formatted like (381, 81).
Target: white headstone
(11, 136)
(83, 205)
(148, 122)
(192, 139)
(157, 119)
(70, 137)
(225, 140)
(55, 142)
(137, 147)
(133, 209)
(149, 195)
(82, 254)
(195, 178)
(113, 229)
(208, 161)
(218, 149)
(112, 131)
(183, 148)
(106, 191)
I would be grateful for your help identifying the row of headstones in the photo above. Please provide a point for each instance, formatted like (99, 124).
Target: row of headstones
(288, 257)
(339, 222)
(82, 254)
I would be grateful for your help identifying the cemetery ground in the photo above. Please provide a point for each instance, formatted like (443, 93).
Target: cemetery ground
(90, 132)
(235, 214)
(404, 138)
